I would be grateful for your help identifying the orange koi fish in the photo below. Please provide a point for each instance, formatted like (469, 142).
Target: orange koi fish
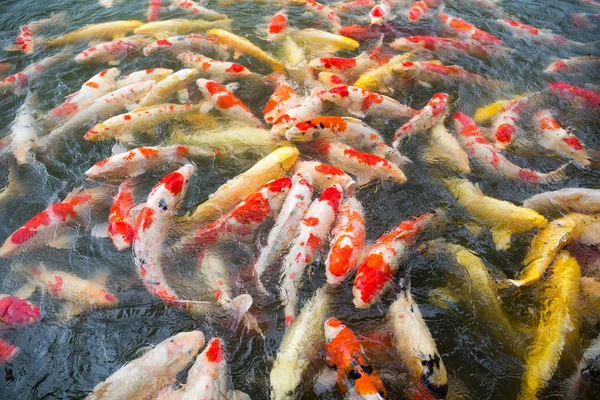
(420, 8)
(121, 221)
(226, 102)
(543, 36)
(361, 102)
(465, 30)
(283, 98)
(433, 113)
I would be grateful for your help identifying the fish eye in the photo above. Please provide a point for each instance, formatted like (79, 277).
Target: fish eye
(353, 375)
(368, 369)
(332, 367)
(381, 393)
(172, 340)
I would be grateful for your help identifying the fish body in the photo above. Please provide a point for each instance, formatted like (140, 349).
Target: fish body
(193, 8)
(227, 103)
(347, 242)
(150, 74)
(451, 47)
(151, 229)
(283, 98)
(153, 11)
(329, 79)
(310, 237)
(432, 72)
(179, 26)
(8, 352)
(420, 8)
(361, 102)
(26, 40)
(578, 97)
(323, 41)
(356, 377)
(16, 312)
(307, 108)
(277, 25)
(443, 149)
(325, 175)
(381, 79)
(16, 83)
(325, 12)
(573, 65)
(145, 376)
(121, 221)
(569, 200)
(344, 66)
(214, 69)
(112, 52)
(102, 31)
(505, 123)
(542, 36)
(23, 134)
(376, 272)
(432, 114)
(192, 42)
(465, 30)
(162, 91)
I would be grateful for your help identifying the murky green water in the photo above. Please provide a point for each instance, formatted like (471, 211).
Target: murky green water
(67, 360)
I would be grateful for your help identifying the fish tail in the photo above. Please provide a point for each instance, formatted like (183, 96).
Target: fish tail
(557, 175)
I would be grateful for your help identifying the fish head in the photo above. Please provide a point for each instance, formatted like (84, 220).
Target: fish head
(556, 67)
(326, 175)
(176, 183)
(406, 68)
(16, 312)
(121, 234)
(98, 132)
(99, 296)
(182, 348)
(336, 95)
(439, 104)
(277, 191)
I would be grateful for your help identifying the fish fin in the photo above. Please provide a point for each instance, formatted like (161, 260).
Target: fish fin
(501, 238)
(240, 306)
(183, 95)
(69, 310)
(25, 291)
(358, 113)
(239, 395)
(232, 86)
(474, 228)
(205, 107)
(325, 382)
(16, 186)
(236, 54)
(425, 84)
(12, 47)
(118, 148)
(64, 241)
(100, 230)
(100, 279)
(126, 138)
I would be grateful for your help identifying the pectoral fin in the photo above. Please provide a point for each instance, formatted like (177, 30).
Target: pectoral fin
(501, 238)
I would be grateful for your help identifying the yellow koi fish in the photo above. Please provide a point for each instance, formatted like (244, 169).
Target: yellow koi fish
(96, 32)
(381, 79)
(180, 26)
(486, 113)
(323, 42)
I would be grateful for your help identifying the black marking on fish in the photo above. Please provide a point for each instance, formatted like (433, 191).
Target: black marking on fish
(162, 204)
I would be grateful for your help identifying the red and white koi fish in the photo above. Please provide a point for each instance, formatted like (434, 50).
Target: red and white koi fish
(147, 375)
(450, 47)
(307, 108)
(25, 41)
(112, 52)
(361, 102)
(325, 175)
(39, 230)
(490, 159)
(277, 25)
(192, 42)
(23, 133)
(345, 66)
(283, 98)
(143, 159)
(365, 167)
(347, 5)
(310, 237)
(8, 352)
(16, 312)
(16, 83)
(377, 270)
(417, 349)
(585, 20)
(554, 138)
(433, 113)
(465, 30)
(166, 88)
(358, 32)
(432, 72)
(355, 375)
(325, 12)
(420, 8)
(94, 88)
(329, 79)
(79, 294)
(150, 74)
(153, 12)
(573, 65)
(226, 102)
(381, 12)
(293, 210)
(219, 71)
(151, 229)
(192, 7)
(347, 242)
(505, 123)
(578, 97)
(349, 130)
(121, 221)
(543, 36)
(243, 221)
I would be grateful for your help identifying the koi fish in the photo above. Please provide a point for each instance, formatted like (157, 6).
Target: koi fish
(192, 7)
(16, 83)
(584, 20)
(241, 45)
(432, 72)
(4, 67)
(324, 12)
(548, 242)
(465, 30)
(432, 114)
(153, 12)
(443, 149)
(26, 40)
(121, 221)
(365, 167)
(277, 25)
(558, 323)
(301, 343)
(543, 36)
(347, 242)
(502, 217)
(356, 377)
(307, 108)
(420, 8)
(450, 47)
(14, 188)
(192, 42)
(489, 158)
(227, 103)
(310, 237)
(139, 120)
(329, 79)
(103, 31)
(95, 87)
(180, 26)
(150, 74)
(217, 70)
(344, 66)
(39, 230)
(166, 88)
(8, 352)
(349, 130)
(351, 5)
(569, 200)
(23, 133)
(147, 375)
(283, 98)
(556, 139)
(573, 65)
(381, 12)
(112, 52)
(325, 42)
(151, 228)
(16, 312)
(325, 175)
(361, 102)
(578, 97)
(416, 347)
(381, 79)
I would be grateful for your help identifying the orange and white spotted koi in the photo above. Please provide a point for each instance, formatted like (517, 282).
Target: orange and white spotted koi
(346, 5)
(329, 79)
(355, 375)
(381, 12)
(325, 175)
(346, 67)
(505, 124)
(349, 130)
(490, 159)
(578, 97)
(153, 12)
(219, 71)
(8, 352)
(307, 108)
(542, 36)
(283, 98)
(121, 221)
(243, 221)
(227, 103)
(465, 30)
(361, 102)
(166, 88)
(16, 83)
(450, 47)
(192, 7)
(143, 159)
(325, 12)
(150, 74)
(432, 72)
(39, 230)
(192, 42)
(151, 230)
(377, 270)
(365, 167)
(347, 242)
(310, 237)
(16, 312)
(277, 25)
(433, 113)
(25, 40)
(112, 52)
(557, 139)
(574, 65)
(94, 88)
(420, 8)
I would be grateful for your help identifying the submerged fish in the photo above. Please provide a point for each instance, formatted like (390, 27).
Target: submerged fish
(465, 30)
(121, 222)
(162, 91)
(179, 26)
(450, 47)
(578, 97)
(150, 74)
(112, 52)
(361, 102)
(16, 312)
(543, 36)
(17, 83)
(103, 31)
(284, 97)
(24, 132)
(444, 150)
(573, 65)
(26, 40)
(568, 200)
(432, 114)
(227, 103)
(183, 43)
(7, 352)
(216, 70)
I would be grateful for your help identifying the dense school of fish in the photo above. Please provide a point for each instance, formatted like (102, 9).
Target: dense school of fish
(318, 150)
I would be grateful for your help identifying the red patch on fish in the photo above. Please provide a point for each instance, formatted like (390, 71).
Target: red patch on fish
(214, 353)
(372, 276)
(92, 85)
(333, 196)
(173, 182)
(311, 221)
(573, 143)
(327, 169)
(528, 175)
(237, 68)
(504, 133)
(340, 90)
(338, 62)
(17, 312)
(148, 153)
(364, 158)
(370, 99)
(56, 286)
